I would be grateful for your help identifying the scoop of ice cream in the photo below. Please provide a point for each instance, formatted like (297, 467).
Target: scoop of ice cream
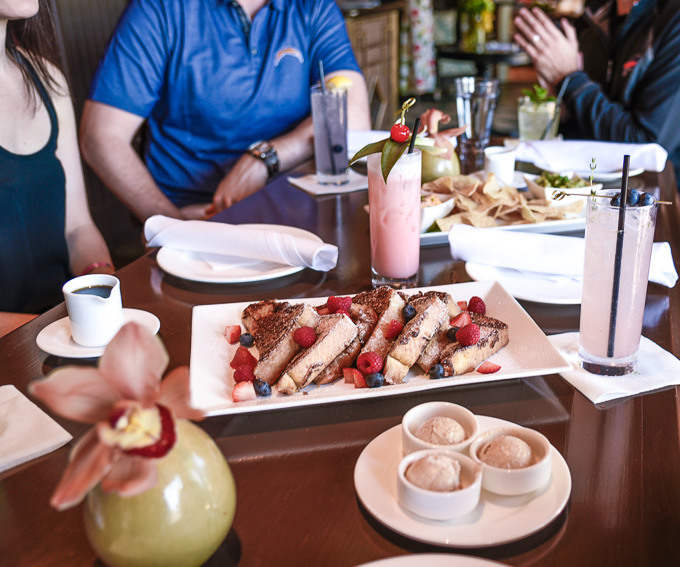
(506, 452)
(441, 431)
(438, 473)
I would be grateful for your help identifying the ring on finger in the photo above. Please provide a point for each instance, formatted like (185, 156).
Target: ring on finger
(536, 38)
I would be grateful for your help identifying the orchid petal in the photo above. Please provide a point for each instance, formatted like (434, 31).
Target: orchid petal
(131, 475)
(134, 362)
(77, 393)
(90, 462)
(175, 394)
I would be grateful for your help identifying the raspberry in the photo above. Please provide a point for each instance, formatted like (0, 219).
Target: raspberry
(461, 320)
(232, 333)
(244, 373)
(168, 437)
(243, 358)
(369, 362)
(336, 304)
(477, 305)
(487, 367)
(305, 336)
(243, 391)
(393, 330)
(468, 335)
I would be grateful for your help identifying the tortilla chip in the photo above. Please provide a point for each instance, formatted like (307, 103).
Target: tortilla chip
(440, 185)
(465, 184)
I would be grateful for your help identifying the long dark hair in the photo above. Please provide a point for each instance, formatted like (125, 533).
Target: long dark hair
(36, 40)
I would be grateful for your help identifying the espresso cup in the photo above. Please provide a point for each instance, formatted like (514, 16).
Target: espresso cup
(95, 309)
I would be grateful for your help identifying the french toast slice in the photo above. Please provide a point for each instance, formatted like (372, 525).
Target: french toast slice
(459, 359)
(431, 314)
(365, 320)
(387, 303)
(333, 334)
(272, 324)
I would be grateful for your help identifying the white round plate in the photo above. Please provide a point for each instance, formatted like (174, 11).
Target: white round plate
(432, 560)
(605, 177)
(554, 290)
(56, 338)
(190, 265)
(495, 521)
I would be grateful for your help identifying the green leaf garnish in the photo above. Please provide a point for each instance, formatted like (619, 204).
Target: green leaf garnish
(391, 153)
(538, 94)
(373, 148)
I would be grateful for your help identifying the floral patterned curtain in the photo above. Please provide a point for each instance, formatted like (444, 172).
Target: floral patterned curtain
(417, 71)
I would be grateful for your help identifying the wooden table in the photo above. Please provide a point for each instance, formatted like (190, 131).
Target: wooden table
(294, 468)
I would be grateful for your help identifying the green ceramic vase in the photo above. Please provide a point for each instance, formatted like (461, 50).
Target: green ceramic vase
(180, 522)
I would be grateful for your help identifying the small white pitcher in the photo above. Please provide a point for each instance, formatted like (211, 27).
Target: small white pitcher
(94, 307)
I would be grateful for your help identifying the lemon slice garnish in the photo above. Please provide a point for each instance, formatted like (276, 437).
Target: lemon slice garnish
(339, 83)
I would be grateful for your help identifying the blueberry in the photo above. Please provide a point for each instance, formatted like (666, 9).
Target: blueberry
(374, 380)
(262, 388)
(616, 200)
(409, 312)
(246, 340)
(633, 197)
(647, 199)
(436, 371)
(451, 334)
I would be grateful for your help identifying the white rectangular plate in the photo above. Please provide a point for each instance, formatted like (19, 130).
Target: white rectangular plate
(529, 353)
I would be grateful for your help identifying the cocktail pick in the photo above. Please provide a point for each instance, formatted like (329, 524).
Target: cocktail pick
(558, 102)
(416, 125)
(617, 257)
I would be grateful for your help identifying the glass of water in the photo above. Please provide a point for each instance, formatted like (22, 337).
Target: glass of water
(329, 116)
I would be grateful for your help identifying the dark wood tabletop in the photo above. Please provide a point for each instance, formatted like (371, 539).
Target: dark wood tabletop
(294, 468)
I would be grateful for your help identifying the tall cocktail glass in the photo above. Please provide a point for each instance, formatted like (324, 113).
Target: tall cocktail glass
(476, 100)
(600, 351)
(537, 120)
(329, 116)
(394, 211)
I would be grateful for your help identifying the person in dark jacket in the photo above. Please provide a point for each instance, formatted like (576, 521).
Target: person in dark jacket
(621, 62)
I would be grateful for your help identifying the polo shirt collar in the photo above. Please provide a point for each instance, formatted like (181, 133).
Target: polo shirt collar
(276, 4)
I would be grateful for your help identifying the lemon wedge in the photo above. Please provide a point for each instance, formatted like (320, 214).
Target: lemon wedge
(339, 83)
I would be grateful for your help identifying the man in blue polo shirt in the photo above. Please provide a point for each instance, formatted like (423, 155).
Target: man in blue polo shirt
(224, 88)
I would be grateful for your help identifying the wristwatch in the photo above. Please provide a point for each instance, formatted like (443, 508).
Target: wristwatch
(267, 153)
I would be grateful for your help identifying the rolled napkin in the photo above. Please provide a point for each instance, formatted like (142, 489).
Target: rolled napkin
(26, 432)
(559, 155)
(228, 240)
(656, 368)
(542, 254)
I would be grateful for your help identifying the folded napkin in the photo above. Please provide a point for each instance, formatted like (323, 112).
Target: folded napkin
(26, 432)
(558, 155)
(656, 368)
(216, 239)
(309, 183)
(546, 255)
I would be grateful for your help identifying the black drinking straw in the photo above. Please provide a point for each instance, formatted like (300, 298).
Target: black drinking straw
(617, 257)
(329, 140)
(322, 77)
(413, 135)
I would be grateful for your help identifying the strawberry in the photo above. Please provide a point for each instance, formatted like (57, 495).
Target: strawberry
(359, 380)
(463, 305)
(487, 367)
(167, 441)
(352, 375)
(343, 312)
(244, 373)
(243, 357)
(337, 303)
(323, 310)
(393, 330)
(477, 305)
(369, 362)
(243, 391)
(232, 333)
(304, 336)
(468, 335)
(461, 320)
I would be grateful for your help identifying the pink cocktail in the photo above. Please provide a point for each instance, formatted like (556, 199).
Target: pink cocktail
(394, 210)
(601, 350)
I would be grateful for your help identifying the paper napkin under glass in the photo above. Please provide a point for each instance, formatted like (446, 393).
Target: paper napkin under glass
(26, 432)
(656, 368)
(576, 155)
(542, 255)
(215, 239)
(311, 185)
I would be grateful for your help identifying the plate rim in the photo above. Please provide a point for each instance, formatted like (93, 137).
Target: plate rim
(559, 464)
(604, 176)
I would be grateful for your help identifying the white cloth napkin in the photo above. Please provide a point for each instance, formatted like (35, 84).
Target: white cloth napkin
(656, 368)
(558, 155)
(309, 183)
(219, 239)
(544, 255)
(26, 432)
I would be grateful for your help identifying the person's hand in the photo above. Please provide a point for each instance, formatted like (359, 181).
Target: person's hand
(249, 174)
(201, 211)
(554, 54)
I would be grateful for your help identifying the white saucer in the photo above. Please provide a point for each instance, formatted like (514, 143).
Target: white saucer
(432, 560)
(56, 338)
(553, 290)
(607, 176)
(496, 520)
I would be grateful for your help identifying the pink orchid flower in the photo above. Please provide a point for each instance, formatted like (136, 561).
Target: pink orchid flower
(133, 411)
(430, 120)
